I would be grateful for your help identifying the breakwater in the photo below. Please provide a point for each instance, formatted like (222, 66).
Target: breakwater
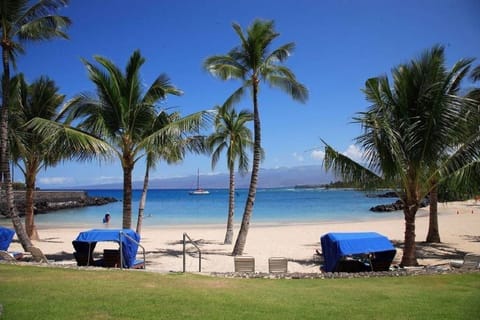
(46, 201)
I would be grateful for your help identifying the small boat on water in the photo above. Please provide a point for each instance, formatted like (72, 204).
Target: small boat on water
(199, 191)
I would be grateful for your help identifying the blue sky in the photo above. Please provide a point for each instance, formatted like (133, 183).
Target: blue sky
(339, 45)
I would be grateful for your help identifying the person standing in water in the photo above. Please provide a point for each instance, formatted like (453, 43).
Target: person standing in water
(106, 219)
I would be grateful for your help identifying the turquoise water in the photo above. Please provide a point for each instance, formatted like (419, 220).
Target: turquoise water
(272, 206)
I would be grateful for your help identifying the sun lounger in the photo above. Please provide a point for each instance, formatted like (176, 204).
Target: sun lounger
(37, 255)
(111, 258)
(244, 264)
(15, 254)
(84, 254)
(277, 264)
(7, 256)
(470, 261)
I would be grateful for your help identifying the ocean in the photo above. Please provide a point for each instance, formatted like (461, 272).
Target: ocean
(272, 206)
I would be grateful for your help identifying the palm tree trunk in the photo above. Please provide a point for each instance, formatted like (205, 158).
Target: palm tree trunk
(29, 196)
(409, 258)
(433, 235)
(252, 190)
(143, 200)
(231, 208)
(127, 195)
(5, 178)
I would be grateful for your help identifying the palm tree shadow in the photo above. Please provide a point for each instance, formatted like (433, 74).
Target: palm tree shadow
(440, 251)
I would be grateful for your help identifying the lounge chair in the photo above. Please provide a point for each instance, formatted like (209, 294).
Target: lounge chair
(15, 254)
(84, 254)
(470, 262)
(244, 264)
(277, 264)
(7, 256)
(37, 255)
(111, 258)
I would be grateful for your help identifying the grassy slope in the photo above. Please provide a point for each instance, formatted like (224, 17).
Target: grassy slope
(51, 293)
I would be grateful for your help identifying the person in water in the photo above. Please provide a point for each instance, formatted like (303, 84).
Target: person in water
(106, 219)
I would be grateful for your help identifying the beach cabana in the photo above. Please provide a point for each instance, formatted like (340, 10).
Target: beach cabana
(128, 241)
(6, 236)
(356, 251)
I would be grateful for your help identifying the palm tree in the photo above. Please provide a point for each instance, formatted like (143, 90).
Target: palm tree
(121, 115)
(407, 129)
(40, 99)
(175, 142)
(20, 23)
(233, 136)
(252, 62)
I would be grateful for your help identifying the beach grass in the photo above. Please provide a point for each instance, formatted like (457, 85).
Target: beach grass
(30, 292)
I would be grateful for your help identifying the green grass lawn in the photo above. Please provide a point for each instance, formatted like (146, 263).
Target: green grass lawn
(29, 292)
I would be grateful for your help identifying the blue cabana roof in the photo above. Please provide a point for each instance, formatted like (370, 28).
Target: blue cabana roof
(335, 246)
(6, 236)
(120, 236)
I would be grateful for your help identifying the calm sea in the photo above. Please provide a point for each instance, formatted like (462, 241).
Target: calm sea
(272, 206)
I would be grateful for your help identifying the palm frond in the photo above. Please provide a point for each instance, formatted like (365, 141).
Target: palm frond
(80, 144)
(159, 89)
(44, 28)
(349, 170)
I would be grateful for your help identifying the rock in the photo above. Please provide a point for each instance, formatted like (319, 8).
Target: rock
(389, 194)
(48, 201)
(397, 205)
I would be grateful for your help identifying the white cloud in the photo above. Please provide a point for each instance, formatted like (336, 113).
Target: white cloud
(56, 180)
(354, 153)
(317, 154)
(298, 157)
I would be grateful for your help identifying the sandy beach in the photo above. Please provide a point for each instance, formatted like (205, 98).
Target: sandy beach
(459, 224)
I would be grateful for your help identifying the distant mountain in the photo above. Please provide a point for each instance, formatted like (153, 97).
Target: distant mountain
(269, 178)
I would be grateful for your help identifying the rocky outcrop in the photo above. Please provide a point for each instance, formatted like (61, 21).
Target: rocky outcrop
(397, 205)
(389, 194)
(47, 201)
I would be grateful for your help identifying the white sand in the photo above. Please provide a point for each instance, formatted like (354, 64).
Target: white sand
(459, 224)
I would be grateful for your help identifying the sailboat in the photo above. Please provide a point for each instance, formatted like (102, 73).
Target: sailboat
(199, 191)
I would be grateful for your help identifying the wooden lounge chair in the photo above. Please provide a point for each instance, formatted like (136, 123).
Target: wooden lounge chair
(277, 264)
(7, 256)
(244, 264)
(37, 255)
(84, 253)
(470, 262)
(111, 258)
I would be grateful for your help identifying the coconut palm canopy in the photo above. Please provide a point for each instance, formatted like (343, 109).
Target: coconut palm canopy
(22, 22)
(411, 134)
(252, 62)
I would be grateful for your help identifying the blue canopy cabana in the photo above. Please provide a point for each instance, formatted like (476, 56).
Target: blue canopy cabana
(336, 247)
(6, 236)
(128, 240)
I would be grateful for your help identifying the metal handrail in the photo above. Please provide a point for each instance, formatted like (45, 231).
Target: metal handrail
(184, 252)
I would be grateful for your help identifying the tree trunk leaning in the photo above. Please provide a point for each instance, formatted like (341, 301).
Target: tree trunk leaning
(32, 231)
(5, 177)
(252, 190)
(231, 209)
(143, 200)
